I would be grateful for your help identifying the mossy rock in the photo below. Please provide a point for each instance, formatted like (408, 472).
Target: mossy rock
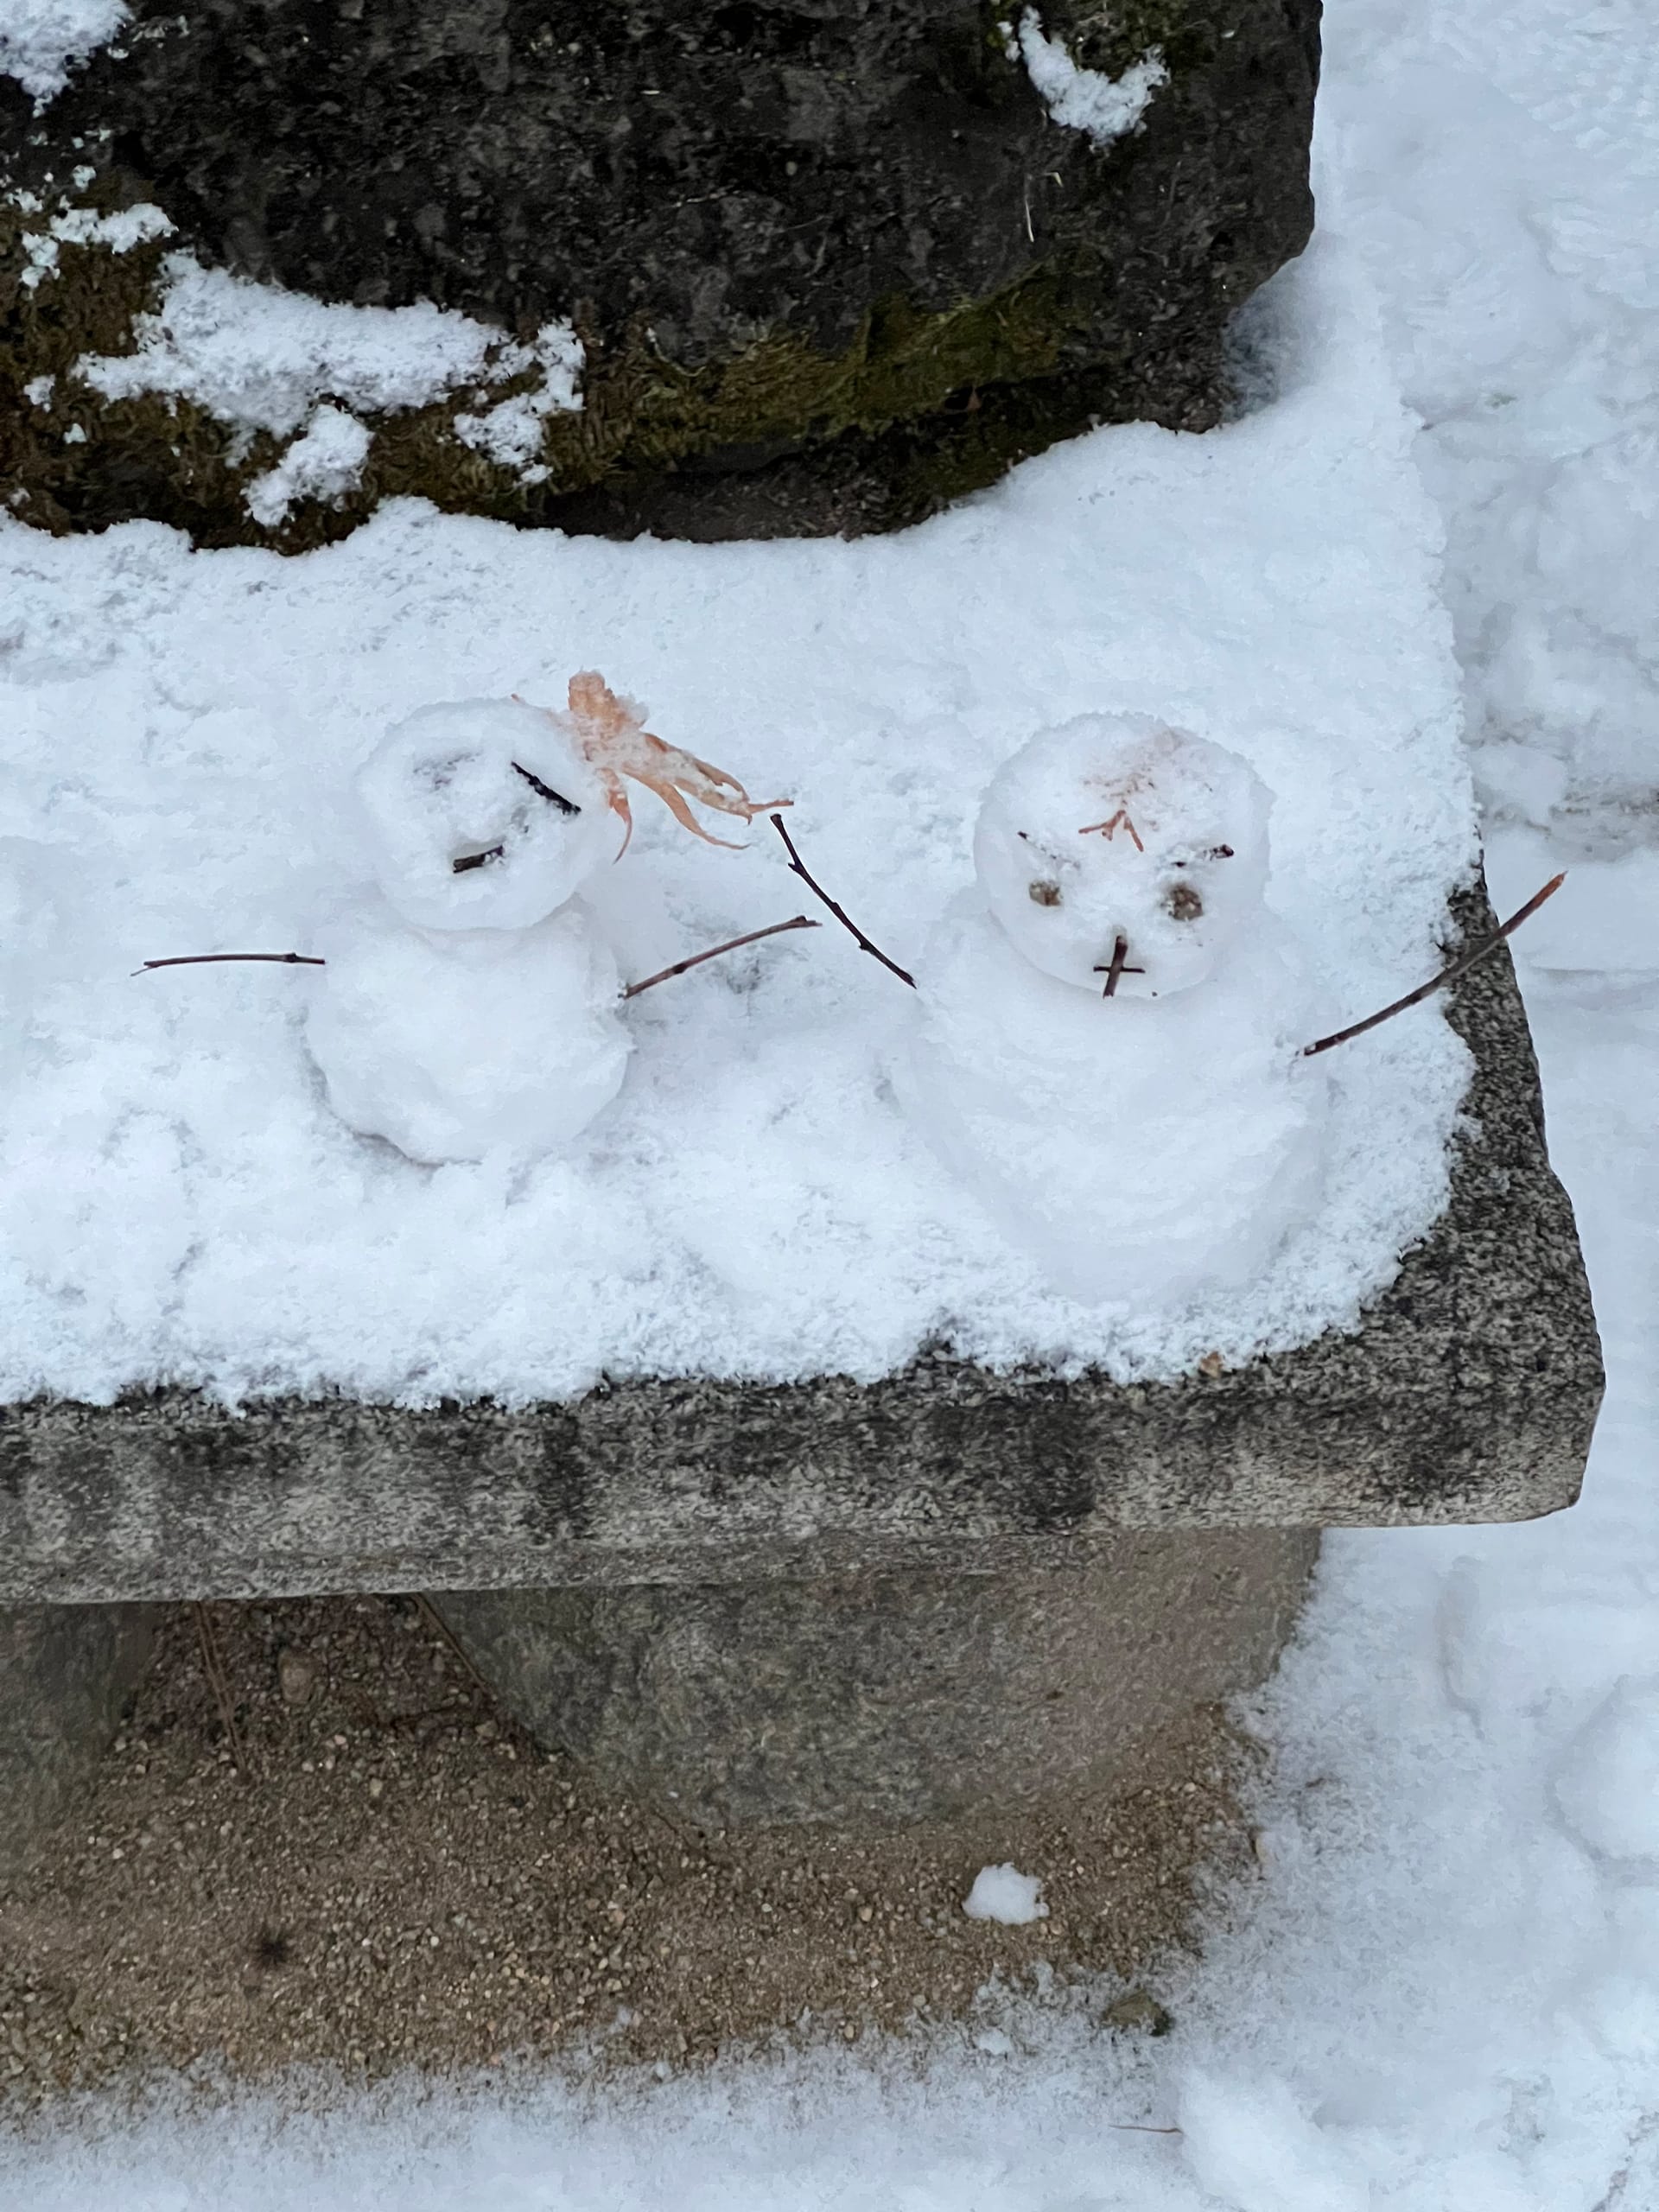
(831, 260)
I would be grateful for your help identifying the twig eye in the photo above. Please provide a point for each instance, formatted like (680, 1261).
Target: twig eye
(546, 791)
(1043, 893)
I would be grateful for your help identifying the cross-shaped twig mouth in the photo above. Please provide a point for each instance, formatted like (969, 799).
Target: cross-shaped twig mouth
(1116, 969)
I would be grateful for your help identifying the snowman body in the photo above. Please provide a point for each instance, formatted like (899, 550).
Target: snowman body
(470, 1002)
(1108, 1034)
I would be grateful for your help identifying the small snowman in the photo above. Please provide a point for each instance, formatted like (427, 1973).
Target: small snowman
(471, 1002)
(1107, 1046)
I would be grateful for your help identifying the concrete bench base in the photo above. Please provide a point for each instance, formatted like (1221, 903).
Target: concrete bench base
(65, 1672)
(871, 1700)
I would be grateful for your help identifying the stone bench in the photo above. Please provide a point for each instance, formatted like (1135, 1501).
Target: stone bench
(942, 1592)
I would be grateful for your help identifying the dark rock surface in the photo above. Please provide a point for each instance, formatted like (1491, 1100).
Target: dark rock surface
(1467, 1394)
(832, 260)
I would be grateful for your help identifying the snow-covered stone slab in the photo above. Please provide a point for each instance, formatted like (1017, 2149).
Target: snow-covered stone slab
(749, 1323)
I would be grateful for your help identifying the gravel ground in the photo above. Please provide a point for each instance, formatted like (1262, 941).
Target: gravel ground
(376, 1870)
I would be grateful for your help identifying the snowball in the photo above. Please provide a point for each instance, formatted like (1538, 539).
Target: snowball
(1005, 1894)
(1607, 1785)
(458, 784)
(452, 1044)
(1116, 826)
(1140, 1150)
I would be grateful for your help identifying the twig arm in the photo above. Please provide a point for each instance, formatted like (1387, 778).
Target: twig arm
(1460, 966)
(696, 959)
(207, 959)
(798, 867)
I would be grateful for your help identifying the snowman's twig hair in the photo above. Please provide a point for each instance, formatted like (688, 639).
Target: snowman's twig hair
(207, 959)
(1450, 975)
(772, 929)
(840, 912)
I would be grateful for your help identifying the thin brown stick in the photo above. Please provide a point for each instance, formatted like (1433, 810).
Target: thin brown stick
(205, 959)
(1458, 967)
(1140, 2127)
(213, 1665)
(840, 912)
(1115, 972)
(545, 790)
(772, 929)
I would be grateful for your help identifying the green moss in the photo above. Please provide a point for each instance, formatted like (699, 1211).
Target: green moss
(1112, 37)
(928, 404)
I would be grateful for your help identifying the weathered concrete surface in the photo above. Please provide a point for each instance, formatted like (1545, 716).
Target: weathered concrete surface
(876, 1700)
(832, 260)
(66, 1672)
(1469, 1394)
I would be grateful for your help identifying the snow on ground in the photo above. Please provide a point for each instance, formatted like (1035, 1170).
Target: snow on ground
(183, 729)
(1500, 168)
(1443, 1994)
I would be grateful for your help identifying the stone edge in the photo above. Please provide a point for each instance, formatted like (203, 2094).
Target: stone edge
(1469, 1394)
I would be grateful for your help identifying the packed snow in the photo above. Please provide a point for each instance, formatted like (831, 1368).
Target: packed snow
(471, 1002)
(185, 729)
(1108, 1028)
(41, 40)
(486, 781)
(1004, 1894)
(1106, 108)
(451, 1044)
(1443, 1991)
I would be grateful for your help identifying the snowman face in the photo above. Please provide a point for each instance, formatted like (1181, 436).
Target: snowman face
(1117, 830)
(482, 814)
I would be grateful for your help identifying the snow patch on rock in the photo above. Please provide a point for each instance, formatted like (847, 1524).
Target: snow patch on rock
(260, 358)
(324, 463)
(41, 40)
(1106, 108)
(511, 432)
(120, 231)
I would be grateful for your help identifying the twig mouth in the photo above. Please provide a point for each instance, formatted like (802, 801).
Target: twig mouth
(1117, 967)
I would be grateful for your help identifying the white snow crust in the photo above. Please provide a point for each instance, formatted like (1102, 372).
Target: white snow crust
(184, 730)
(41, 40)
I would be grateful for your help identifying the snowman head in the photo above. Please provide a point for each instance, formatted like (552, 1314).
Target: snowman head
(1116, 829)
(482, 814)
